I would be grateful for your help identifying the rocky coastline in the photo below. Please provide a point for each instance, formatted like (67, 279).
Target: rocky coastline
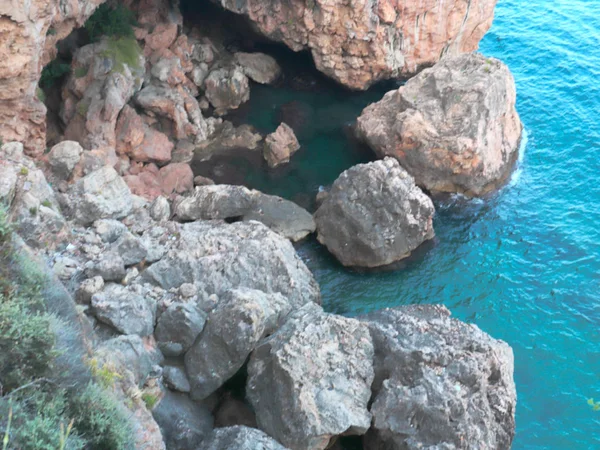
(192, 292)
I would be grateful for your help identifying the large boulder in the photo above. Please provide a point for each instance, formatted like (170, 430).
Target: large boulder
(311, 380)
(236, 325)
(240, 438)
(184, 424)
(178, 328)
(98, 88)
(364, 41)
(453, 127)
(258, 67)
(100, 195)
(439, 382)
(64, 157)
(239, 203)
(218, 257)
(374, 215)
(125, 310)
(227, 88)
(280, 146)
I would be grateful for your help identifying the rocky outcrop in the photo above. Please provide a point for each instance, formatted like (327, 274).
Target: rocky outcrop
(374, 215)
(366, 41)
(32, 204)
(227, 88)
(64, 157)
(26, 46)
(311, 380)
(217, 257)
(92, 102)
(439, 382)
(235, 326)
(280, 146)
(237, 202)
(178, 328)
(453, 127)
(240, 438)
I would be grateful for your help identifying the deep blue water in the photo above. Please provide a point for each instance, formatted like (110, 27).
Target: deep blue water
(523, 265)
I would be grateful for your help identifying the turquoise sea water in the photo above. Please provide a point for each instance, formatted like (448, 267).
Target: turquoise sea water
(523, 265)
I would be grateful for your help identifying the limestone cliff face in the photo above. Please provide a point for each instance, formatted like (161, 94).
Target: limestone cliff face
(359, 42)
(29, 31)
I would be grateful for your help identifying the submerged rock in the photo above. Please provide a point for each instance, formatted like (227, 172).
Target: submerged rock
(439, 382)
(311, 380)
(235, 326)
(280, 146)
(374, 215)
(453, 127)
(223, 201)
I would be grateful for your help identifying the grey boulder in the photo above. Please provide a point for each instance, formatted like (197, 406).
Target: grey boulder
(217, 257)
(224, 201)
(184, 424)
(439, 383)
(453, 127)
(102, 194)
(240, 438)
(178, 327)
(64, 157)
(374, 215)
(125, 310)
(311, 380)
(227, 88)
(236, 325)
(258, 67)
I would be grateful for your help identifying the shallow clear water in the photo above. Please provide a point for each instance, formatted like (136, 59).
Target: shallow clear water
(523, 265)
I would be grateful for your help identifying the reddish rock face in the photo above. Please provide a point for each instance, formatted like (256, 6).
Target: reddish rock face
(25, 47)
(360, 42)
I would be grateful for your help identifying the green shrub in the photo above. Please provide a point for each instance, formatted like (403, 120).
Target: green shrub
(99, 420)
(109, 21)
(54, 71)
(150, 400)
(123, 51)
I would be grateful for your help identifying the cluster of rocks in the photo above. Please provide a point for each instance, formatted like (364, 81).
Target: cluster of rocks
(179, 309)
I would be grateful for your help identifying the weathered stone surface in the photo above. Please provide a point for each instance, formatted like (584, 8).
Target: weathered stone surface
(217, 257)
(280, 146)
(258, 67)
(453, 127)
(241, 318)
(125, 310)
(92, 103)
(374, 215)
(176, 178)
(88, 288)
(178, 328)
(224, 201)
(160, 210)
(64, 157)
(366, 41)
(311, 380)
(176, 379)
(240, 438)
(100, 195)
(185, 425)
(227, 88)
(131, 249)
(439, 382)
(140, 142)
(110, 267)
(109, 230)
(227, 140)
(26, 46)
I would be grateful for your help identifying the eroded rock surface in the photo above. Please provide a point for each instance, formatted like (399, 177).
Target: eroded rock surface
(374, 215)
(280, 146)
(311, 380)
(439, 382)
(364, 41)
(453, 127)
(240, 438)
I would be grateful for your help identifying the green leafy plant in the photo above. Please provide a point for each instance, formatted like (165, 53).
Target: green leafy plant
(124, 51)
(47, 203)
(108, 21)
(150, 400)
(24, 171)
(105, 374)
(80, 72)
(40, 94)
(54, 71)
